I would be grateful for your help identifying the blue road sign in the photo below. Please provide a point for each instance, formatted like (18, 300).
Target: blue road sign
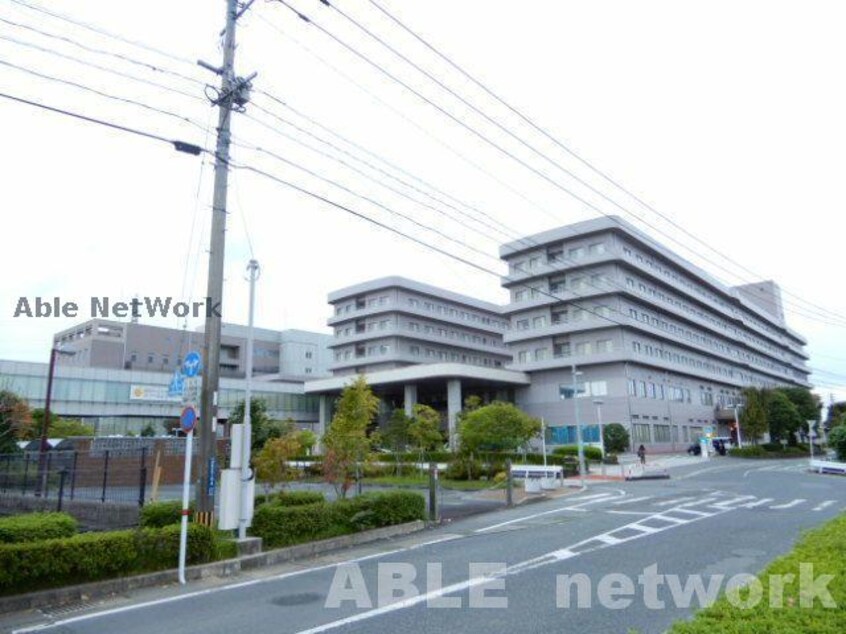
(192, 365)
(212, 484)
(188, 419)
(177, 384)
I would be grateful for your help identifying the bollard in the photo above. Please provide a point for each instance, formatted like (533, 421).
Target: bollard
(63, 474)
(142, 486)
(509, 489)
(434, 511)
(105, 474)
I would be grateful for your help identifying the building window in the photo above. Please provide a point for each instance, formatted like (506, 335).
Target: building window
(308, 355)
(604, 345)
(598, 248)
(662, 433)
(539, 322)
(640, 433)
(632, 387)
(523, 356)
(522, 324)
(561, 349)
(520, 296)
(577, 253)
(540, 354)
(583, 348)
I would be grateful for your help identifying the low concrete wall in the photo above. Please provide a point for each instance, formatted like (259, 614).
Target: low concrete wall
(92, 515)
(84, 592)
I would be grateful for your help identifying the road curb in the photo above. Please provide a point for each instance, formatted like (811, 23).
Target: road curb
(99, 589)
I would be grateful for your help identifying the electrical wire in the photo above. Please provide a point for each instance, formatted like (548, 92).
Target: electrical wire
(180, 146)
(545, 157)
(100, 93)
(101, 31)
(105, 69)
(581, 159)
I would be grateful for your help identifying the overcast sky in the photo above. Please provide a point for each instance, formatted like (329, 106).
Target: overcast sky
(725, 116)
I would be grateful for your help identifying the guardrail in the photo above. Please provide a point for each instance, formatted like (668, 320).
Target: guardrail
(828, 466)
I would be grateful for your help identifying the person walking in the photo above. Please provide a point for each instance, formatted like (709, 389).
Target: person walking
(641, 453)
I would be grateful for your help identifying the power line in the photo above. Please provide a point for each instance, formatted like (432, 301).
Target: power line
(100, 93)
(101, 31)
(362, 172)
(590, 283)
(474, 164)
(180, 146)
(484, 138)
(99, 51)
(105, 69)
(575, 155)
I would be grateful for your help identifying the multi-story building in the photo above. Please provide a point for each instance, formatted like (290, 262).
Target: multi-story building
(395, 322)
(659, 345)
(101, 343)
(126, 401)
(599, 311)
(417, 343)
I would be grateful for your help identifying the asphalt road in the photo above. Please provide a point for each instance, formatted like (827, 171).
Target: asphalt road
(723, 517)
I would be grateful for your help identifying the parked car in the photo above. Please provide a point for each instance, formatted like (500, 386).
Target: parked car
(695, 449)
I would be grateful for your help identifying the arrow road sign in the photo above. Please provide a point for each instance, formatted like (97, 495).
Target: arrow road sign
(192, 365)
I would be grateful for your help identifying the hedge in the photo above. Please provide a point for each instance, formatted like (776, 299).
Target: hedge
(763, 451)
(291, 498)
(591, 452)
(160, 514)
(93, 556)
(280, 525)
(33, 527)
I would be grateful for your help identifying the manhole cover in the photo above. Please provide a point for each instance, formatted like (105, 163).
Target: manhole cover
(297, 599)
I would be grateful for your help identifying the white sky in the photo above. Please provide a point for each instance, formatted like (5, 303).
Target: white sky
(725, 116)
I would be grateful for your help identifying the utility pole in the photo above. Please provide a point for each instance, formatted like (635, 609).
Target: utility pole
(234, 93)
(247, 500)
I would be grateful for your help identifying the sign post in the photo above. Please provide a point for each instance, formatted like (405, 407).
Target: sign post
(187, 421)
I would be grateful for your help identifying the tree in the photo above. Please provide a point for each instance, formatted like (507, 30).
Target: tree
(272, 462)
(807, 403)
(836, 414)
(837, 441)
(307, 440)
(59, 427)
(783, 417)
(263, 426)
(15, 421)
(753, 417)
(424, 430)
(497, 427)
(615, 437)
(346, 441)
(148, 431)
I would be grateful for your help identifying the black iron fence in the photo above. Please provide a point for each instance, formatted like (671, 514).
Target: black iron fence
(108, 477)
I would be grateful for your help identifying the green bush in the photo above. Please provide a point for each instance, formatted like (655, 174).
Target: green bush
(591, 452)
(298, 498)
(93, 556)
(615, 438)
(160, 514)
(837, 441)
(463, 468)
(749, 451)
(287, 525)
(33, 527)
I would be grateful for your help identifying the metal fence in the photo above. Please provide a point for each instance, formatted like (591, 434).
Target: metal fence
(108, 477)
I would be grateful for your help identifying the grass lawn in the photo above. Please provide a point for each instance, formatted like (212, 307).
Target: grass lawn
(423, 482)
(825, 548)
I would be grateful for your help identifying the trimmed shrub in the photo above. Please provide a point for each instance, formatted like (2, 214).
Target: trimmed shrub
(279, 525)
(837, 441)
(463, 468)
(160, 514)
(591, 452)
(298, 498)
(93, 556)
(33, 527)
(750, 451)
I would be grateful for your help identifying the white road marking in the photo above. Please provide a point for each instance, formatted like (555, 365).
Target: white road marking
(790, 504)
(823, 505)
(586, 500)
(633, 500)
(733, 501)
(756, 503)
(673, 501)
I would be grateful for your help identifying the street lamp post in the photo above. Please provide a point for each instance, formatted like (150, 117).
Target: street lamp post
(45, 427)
(599, 402)
(737, 426)
(579, 438)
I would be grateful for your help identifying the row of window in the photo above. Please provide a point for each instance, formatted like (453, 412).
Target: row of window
(555, 254)
(641, 433)
(562, 347)
(457, 313)
(676, 279)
